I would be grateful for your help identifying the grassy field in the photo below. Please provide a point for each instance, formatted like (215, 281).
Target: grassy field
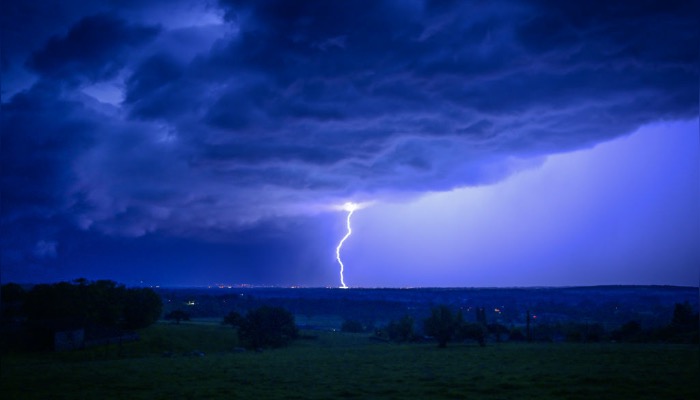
(338, 365)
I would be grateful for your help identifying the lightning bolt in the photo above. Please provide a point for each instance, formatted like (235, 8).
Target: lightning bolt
(350, 208)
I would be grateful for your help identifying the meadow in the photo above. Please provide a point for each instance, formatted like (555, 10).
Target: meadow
(325, 365)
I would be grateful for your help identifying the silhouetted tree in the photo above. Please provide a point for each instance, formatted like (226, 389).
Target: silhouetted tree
(177, 316)
(12, 297)
(481, 316)
(683, 317)
(441, 325)
(55, 301)
(142, 307)
(234, 319)
(684, 325)
(268, 327)
(105, 302)
(401, 330)
(102, 302)
(12, 293)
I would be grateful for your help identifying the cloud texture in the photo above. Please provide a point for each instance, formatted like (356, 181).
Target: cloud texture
(202, 119)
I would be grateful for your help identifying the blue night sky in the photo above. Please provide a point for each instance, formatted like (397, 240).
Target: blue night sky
(491, 143)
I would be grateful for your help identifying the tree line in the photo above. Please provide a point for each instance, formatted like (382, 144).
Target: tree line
(444, 326)
(102, 302)
(107, 303)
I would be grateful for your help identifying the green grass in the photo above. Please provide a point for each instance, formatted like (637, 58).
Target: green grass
(339, 365)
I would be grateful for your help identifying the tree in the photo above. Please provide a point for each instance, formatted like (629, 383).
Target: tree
(684, 325)
(12, 293)
(177, 316)
(55, 301)
(142, 307)
(12, 296)
(103, 303)
(268, 327)
(441, 325)
(234, 319)
(481, 316)
(401, 330)
(683, 317)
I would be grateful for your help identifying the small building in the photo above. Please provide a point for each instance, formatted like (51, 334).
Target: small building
(66, 335)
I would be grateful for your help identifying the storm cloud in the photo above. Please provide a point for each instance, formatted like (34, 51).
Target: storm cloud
(205, 119)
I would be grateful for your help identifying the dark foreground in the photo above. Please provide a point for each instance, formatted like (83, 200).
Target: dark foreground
(162, 365)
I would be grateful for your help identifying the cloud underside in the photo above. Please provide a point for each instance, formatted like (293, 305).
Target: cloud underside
(290, 108)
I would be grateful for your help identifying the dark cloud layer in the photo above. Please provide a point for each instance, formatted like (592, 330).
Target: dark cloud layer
(200, 120)
(94, 49)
